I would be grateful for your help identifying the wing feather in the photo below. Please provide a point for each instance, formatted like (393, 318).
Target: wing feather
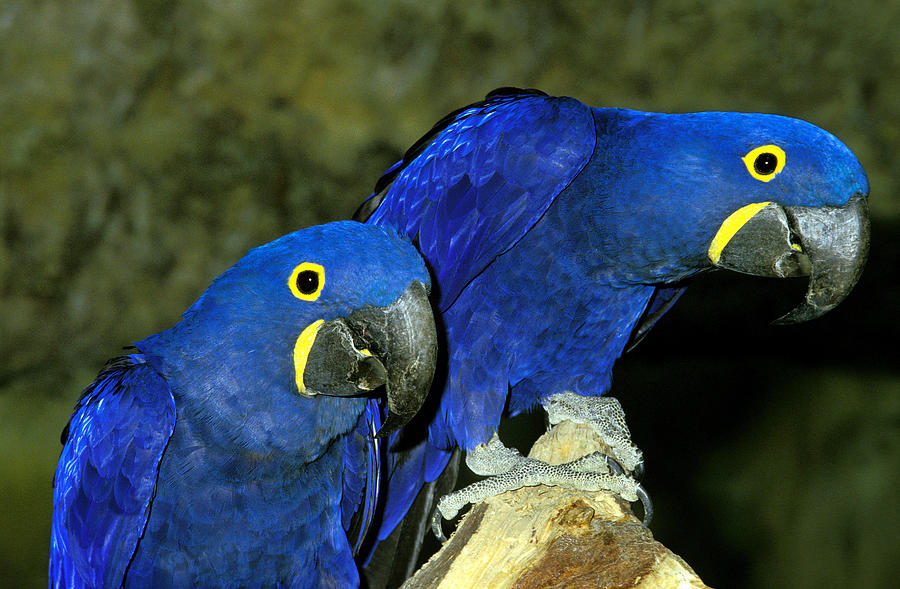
(481, 178)
(107, 472)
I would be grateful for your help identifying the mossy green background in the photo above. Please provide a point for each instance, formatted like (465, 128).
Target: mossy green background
(146, 145)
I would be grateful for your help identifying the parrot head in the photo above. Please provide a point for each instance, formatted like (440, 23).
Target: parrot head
(373, 325)
(760, 194)
(282, 341)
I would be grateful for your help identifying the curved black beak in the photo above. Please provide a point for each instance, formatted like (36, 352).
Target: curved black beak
(394, 346)
(828, 244)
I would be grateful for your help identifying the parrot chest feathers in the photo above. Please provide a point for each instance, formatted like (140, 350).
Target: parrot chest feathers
(247, 513)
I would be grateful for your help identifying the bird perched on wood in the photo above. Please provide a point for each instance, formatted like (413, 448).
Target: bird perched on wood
(239, 447)
(557, 235)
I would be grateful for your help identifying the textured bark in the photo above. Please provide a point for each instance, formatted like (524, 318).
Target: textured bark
(554, 537)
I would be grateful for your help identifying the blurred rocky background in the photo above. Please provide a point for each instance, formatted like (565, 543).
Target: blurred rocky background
(145, 145)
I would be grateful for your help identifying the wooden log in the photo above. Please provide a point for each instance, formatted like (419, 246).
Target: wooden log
(554, 537)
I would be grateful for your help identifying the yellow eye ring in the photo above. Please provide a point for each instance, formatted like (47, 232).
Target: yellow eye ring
(765, 162)
(306, 281)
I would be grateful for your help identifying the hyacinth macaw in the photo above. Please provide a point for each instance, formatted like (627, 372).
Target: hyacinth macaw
(239, 447)
(557, 234)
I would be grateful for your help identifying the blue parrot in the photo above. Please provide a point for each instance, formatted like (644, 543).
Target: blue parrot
(239, 447)
(557, 234)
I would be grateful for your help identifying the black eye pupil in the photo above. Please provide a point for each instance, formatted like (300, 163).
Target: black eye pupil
(307, 282)
(765, 163)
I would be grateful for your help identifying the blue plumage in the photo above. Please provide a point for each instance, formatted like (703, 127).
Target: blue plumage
(107, 473)
(557, 233)
(198, 460)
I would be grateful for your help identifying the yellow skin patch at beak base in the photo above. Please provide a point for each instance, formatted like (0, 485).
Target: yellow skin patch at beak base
(730, 226)
(301, 352)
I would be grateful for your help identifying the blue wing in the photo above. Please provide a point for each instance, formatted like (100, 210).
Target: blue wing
(476, 183)
(465, 193)
(361, 476)
(107, 472)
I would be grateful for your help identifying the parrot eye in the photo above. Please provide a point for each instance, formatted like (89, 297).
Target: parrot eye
(306, 281)
(765, 162)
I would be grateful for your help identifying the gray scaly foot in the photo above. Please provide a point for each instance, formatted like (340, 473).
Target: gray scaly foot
(509, 470)
(606, 417)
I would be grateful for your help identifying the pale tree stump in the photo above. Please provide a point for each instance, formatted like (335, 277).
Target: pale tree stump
(554, 537)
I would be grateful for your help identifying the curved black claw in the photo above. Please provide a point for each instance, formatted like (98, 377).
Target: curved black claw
(642, 494)
(646, 504)
(614, 465)
(436, 527)
(638, 472)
